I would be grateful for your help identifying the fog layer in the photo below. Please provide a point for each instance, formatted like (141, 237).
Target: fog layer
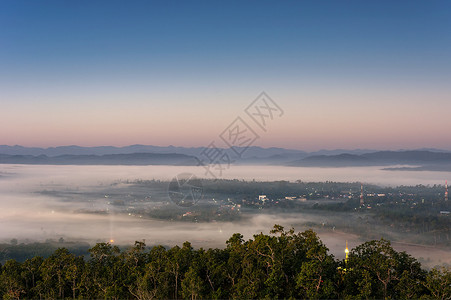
(29, 210)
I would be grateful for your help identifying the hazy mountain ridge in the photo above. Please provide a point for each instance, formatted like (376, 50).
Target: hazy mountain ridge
(107, 159)
(252, 152)
(249, 152)
(422, 160)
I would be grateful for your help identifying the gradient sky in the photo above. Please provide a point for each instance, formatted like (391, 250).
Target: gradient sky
(348, 74)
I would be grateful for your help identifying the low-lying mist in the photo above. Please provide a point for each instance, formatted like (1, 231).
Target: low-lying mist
(83, 203)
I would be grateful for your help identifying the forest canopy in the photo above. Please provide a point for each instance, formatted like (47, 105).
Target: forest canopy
(281, 264)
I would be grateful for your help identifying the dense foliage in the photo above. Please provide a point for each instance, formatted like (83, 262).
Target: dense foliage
(283, 264)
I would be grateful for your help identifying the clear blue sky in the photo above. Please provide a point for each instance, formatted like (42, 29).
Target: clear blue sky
(347, 73)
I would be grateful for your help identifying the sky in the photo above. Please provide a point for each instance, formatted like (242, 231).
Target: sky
(347, 74)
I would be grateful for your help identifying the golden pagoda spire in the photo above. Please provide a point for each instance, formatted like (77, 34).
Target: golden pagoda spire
(346, 252)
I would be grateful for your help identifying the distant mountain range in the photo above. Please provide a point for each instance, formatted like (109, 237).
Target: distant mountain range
(416, 159)
(107, 159)
(422, 159)
(252, 152)
(193, 151)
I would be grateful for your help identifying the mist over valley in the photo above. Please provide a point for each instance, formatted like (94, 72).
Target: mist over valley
(128, 203)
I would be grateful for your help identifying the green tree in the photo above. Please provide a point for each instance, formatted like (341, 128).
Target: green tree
(32, 275)
(215, 273)
(11, 283)
(315, 278)
(438, 282)
(73, 274)
(191, 284)
(386, 272)
(410, 276)
(134, 261)
(54, 270)
(102, 276)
